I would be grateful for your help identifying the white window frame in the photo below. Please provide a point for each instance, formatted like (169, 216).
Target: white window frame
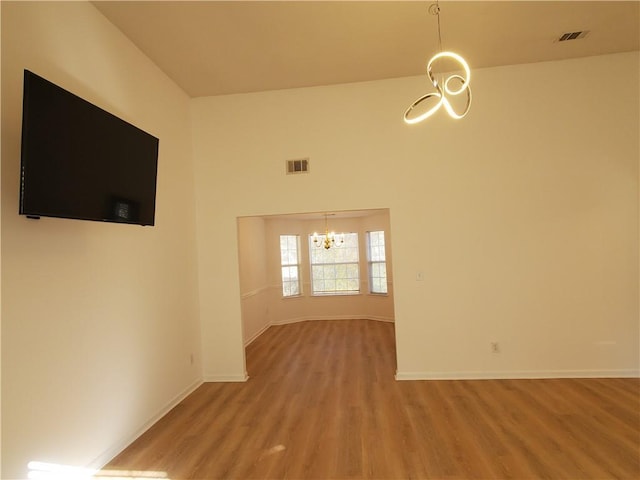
(376, 256)
(290, 263)
(330, 269)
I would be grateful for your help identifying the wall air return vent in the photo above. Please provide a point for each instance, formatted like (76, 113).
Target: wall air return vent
(565, 37)
(297, 166)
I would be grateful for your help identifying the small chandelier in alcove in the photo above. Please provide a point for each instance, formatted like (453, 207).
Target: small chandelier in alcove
(444, 86)
(330, 238)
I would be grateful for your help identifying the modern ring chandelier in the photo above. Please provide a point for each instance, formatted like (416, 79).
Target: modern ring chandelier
(443, 87)
(330, 239)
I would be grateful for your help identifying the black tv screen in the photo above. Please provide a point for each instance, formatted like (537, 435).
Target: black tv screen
(80, 161)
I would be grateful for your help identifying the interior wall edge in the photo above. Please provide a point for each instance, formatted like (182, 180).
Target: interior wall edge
(213, 378)
(255, 336)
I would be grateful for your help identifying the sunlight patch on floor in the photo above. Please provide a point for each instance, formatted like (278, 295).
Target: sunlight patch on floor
(54, 471)
(276, 449)
(272, 451)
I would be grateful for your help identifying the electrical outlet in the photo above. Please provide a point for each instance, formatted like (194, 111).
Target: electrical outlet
(495, 347)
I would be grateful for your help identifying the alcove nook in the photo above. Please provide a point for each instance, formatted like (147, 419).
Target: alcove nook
(264, 302)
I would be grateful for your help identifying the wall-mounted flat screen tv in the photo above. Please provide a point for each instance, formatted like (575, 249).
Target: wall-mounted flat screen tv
(79, 161)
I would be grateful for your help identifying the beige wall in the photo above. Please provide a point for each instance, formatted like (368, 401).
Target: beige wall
(98, 320)
(523, 220)
(260, 275)
(252, 255)
(523, 217)
(0, 293)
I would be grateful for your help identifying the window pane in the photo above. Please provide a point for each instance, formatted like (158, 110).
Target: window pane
(290, 274)
(352, 270)
(346, 252)
(335, 270)
(290, 262)
(291, 288)
(379, 270)
(317, 273)
(376, 246)
(377, 266)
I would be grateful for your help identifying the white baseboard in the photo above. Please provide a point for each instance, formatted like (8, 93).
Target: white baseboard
(376, 318)
(308, 318)
(226, 378)
(527, 374)
(108, 455)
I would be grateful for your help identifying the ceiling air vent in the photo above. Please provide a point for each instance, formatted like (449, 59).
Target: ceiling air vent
(572, 36)
(297, 166)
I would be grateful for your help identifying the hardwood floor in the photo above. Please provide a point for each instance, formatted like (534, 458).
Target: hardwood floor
(322, 403)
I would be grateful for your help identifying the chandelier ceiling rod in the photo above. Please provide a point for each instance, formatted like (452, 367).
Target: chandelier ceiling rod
(434, 9)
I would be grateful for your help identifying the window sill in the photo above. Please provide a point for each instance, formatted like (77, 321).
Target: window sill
(300, 295)
(336, 294)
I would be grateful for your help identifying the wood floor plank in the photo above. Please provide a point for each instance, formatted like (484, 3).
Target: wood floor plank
(322, 403)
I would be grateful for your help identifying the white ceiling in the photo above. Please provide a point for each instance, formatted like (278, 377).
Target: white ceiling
(226, 47)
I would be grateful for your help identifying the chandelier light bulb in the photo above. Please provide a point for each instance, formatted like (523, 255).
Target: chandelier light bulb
(330, 238)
